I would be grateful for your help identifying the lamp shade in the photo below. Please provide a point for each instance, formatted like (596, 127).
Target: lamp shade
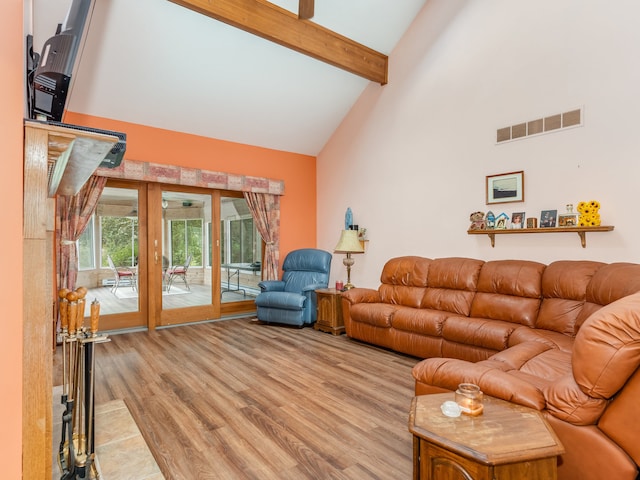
(348, 243)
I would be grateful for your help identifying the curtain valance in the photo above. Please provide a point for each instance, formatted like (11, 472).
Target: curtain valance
(171, 174)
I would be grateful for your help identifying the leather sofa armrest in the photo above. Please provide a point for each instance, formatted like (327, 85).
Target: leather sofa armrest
(567, 401)
(362, 295)
(271, 286)
(448, 373)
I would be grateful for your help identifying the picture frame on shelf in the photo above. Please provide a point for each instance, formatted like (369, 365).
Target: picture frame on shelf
(517, 220)
(567, 220)
(501, 221)
(548, 218)
(505, 188)
(532, 222)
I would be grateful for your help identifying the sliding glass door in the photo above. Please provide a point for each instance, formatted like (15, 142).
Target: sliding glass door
(240, 252)
(157, 255)
(181, 235)
(110, 262)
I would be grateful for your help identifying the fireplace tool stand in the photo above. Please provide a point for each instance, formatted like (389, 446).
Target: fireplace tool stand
(76, 455)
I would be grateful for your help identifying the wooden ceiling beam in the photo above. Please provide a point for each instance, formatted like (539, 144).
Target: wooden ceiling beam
(278, 25)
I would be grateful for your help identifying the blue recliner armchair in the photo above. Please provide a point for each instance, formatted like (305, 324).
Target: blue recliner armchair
(292, 300)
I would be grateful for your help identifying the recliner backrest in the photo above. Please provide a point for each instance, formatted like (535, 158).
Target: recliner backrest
(306, 266)
(564, 293)
(509, 290)
(610, 283)
(404, 280)
(451, 284)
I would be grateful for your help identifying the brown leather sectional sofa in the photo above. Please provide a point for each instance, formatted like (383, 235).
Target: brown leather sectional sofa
(562, 338)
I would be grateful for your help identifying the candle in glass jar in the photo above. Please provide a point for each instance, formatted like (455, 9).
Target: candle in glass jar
(469, 399)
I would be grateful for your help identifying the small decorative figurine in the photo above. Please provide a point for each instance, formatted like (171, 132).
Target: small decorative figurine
(477, 221)
(490, 220)
(348, 219)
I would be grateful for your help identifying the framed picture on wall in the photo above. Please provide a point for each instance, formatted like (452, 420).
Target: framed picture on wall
(505, 188)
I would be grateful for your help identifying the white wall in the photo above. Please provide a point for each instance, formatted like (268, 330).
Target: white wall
(412, 156)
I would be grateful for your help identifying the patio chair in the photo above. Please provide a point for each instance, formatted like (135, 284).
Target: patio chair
(179, 271)
(120, 273)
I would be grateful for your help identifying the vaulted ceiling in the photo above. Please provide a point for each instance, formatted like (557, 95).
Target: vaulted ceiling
(157, 63)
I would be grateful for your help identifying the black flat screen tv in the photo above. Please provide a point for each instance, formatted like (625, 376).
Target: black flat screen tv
(49, 75)
(57, 63)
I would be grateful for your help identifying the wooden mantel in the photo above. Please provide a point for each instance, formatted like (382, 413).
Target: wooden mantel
(56, 160)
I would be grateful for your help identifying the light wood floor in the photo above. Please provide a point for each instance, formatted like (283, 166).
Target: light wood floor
(236, 400)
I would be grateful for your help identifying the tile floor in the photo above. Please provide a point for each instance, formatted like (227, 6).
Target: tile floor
(121, 452)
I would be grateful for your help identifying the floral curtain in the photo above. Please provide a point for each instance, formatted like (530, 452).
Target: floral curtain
(265, 209)
(73, 213)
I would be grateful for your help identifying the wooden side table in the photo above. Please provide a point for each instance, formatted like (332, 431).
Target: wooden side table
(329, 317)
(506, 442)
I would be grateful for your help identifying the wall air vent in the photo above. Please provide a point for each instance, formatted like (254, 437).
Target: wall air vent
(540, 126)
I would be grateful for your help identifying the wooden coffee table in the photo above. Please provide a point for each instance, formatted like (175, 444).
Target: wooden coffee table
(506, 442)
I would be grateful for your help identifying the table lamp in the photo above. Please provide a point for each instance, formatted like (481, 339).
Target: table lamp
(348, 244)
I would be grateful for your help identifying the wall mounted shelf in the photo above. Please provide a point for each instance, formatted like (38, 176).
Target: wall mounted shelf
(581, 231)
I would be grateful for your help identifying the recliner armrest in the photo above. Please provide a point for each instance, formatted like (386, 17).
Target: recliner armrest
(271, 286)
(313, 287)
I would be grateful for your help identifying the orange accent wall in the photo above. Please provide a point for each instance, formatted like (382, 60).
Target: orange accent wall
(298, 204)
(11, 180)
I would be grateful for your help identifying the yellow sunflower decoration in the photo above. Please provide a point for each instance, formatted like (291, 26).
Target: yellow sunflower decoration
(589, 214)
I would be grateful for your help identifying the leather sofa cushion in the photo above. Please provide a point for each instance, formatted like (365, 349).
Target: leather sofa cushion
(452, 283)
(376, 314)
(401, 295)
(606, 350)
(404, 280)
(480, 332)
(609, 283)
(559, 315)
(448, 300)
(508, 308)
(548, 365)
(516, 357)
(554, 339)
(421, 321)
(564, 286)
(448, 373)
(407, 271)
(512, 277)
(509, 290)
(454, 272)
